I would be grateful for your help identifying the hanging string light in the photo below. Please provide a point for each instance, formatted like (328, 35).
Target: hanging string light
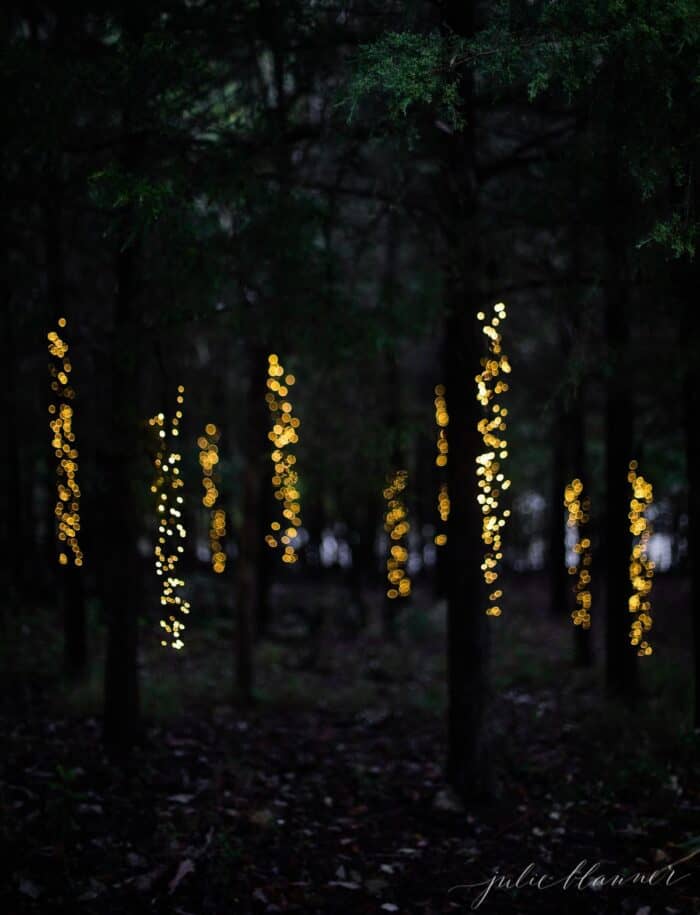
(208, 459)
(492, 481)
(578, 508)
(397, 527)
(442, 420)
(67, 510)
(641, 567)
(169, 501)
(285, 480)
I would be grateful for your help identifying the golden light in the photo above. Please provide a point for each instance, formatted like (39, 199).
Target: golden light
(283, 435)
(641, 570)
(442, 421)
(491, 480)
(578, 509)
(67, 509)
(208, 460)
(171, 532)
(397, 527)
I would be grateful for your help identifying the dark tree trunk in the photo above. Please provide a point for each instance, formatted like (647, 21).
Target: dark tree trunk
(690, 280)
(621, 659)
(122, 573)
(558, 579)
(14, 535)
(576, 418)
(391, 606)
(264, 570)
(251, 533)
(583, 649)
(467, 634)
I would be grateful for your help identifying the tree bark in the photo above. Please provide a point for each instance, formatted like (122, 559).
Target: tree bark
(691, 390)
(251, 533)
(621, 659)
(123, 573)
(583, 648)
(467, 633)
(558, 580)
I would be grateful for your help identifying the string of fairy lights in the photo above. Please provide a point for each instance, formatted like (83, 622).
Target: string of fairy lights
(491, 479)
(397, 527)
(283, 435)
(171, 530)
(67, 510)
(641, 569)
(578, 508)
(208, 444)
(442, 420)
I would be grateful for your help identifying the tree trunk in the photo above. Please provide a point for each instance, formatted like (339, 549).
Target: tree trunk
(691, 384)
(558, 580)
(621, 659)
(391, 606)
(467, 644)
(123, 573)
(583, 649)
(251, 533)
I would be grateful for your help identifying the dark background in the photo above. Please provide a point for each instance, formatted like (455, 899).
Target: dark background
(196, 185)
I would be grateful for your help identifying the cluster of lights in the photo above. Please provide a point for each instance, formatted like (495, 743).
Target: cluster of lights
(283, 436)
(167, 551)
(208, 459)
(442, 420)
(67, 508)
(397, 527)
(578, 508)
(492, 481)
(641, 567)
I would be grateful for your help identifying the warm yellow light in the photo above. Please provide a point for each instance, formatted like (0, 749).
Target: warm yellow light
(166, 488)
(283, 436)
(641, 568)
(491, 481)
(67, 508)
(397, 527)
(578, 514)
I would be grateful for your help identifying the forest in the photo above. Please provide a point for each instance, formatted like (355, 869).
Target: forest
(351, 457)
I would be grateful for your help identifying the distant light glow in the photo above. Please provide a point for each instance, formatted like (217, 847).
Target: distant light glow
(167, 551)
(578, 508)
(208, 459)
(285, 479)
(397, 527)
(641, 570)
(67, 510)
(442, 421)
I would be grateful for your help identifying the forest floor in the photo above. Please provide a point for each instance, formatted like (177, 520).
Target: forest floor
(329, 796)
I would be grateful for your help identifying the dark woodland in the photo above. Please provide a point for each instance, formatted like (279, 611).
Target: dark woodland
(350, 540)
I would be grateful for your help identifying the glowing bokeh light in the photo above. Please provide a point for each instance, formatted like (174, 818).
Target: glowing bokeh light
(578, 509)
(171, 532)
(491, 480)
(67, 510)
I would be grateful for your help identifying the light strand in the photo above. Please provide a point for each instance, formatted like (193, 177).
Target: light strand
(492, 481)
(442, 420)
(169, 502)
(208, 460)
(67, 510)
(578, 508)
(641, 570)
(397, 527)
(285, 480)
